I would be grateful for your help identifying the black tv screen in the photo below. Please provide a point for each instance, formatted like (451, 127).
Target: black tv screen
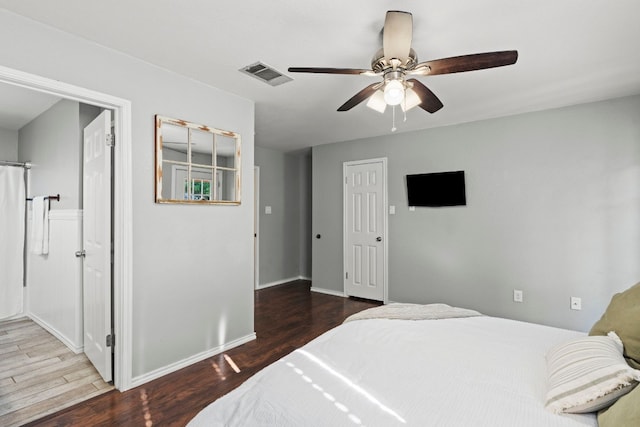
(436, 189)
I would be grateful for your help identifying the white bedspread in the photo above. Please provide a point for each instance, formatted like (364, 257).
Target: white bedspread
(466, 372)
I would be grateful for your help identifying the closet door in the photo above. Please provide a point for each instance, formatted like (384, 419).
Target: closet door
(364, 229)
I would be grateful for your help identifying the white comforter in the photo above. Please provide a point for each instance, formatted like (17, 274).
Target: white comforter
(466, 372)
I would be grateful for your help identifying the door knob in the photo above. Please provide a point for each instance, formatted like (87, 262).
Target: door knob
(81, 254)
(378, 239)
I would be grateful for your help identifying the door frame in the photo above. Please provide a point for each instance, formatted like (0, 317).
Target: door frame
(385, 222)
(122, 206)
(256, 227)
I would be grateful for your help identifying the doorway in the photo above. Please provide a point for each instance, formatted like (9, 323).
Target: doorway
(365, 229)
(122, 207)
(48, 358)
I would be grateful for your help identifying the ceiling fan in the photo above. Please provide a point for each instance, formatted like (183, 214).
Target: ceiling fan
(397, 61)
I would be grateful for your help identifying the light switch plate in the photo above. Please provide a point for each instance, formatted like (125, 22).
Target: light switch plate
(517, 295)
(576, 303)
(267, 210)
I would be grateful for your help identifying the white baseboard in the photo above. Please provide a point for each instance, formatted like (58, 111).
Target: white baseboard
(281, 282)
(53, 331)
(142, 379)
(328, 292)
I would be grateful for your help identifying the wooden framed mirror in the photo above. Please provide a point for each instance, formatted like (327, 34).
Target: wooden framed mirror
(196, 164)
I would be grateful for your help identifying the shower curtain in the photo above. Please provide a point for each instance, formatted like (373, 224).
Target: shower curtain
(12, 205)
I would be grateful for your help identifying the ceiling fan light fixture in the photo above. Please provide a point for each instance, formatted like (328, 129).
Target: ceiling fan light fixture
(377, 102)
(394, 92)
(397, 60)
(411, 100)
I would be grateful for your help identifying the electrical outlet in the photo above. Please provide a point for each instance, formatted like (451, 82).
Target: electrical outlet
(517, 295)
(576, 303)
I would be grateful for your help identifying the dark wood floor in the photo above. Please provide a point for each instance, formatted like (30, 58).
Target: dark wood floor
(286, 317)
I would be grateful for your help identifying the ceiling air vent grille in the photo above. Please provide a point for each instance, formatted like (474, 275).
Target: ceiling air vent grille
(265, 73)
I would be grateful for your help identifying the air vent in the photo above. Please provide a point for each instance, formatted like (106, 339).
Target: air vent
(265, 73)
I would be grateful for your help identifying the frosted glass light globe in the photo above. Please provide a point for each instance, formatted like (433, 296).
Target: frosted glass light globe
(394, 92)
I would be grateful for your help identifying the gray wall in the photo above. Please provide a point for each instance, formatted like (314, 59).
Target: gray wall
(284, 237)
(179, 308)
(8, 144)
(553, 206)
(52, 143)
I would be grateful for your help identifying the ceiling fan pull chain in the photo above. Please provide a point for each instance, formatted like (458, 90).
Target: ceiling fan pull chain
(404, 110)
(393, 126)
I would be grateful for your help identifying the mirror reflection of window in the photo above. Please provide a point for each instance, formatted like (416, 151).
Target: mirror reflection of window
(196, 164)
(200, 189)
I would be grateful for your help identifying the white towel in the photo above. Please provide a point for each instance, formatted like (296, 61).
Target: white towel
(40, 225)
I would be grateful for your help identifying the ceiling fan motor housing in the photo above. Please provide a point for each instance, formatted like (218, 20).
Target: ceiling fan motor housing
(379, 63)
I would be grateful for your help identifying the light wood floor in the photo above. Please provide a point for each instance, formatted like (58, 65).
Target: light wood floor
(39, 375)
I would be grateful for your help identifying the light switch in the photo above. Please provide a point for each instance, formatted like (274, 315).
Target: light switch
(267, 210)
(392, 210)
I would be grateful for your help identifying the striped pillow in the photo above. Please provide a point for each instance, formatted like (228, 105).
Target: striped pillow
(588, 374)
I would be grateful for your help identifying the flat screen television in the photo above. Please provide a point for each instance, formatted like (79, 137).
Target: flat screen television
(436, 189)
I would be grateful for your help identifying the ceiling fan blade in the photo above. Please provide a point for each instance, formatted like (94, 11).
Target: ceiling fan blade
(397, 35)
(478, 61)
(359, 97)
(322, 70)
(430, 101)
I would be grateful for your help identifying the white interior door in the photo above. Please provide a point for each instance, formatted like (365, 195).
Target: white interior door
(96, 235)
(365, 248)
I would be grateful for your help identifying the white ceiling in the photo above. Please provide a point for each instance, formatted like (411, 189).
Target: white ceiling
(570, 52)
(18, 106)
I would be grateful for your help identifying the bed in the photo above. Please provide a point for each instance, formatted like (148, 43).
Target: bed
(436, 365)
